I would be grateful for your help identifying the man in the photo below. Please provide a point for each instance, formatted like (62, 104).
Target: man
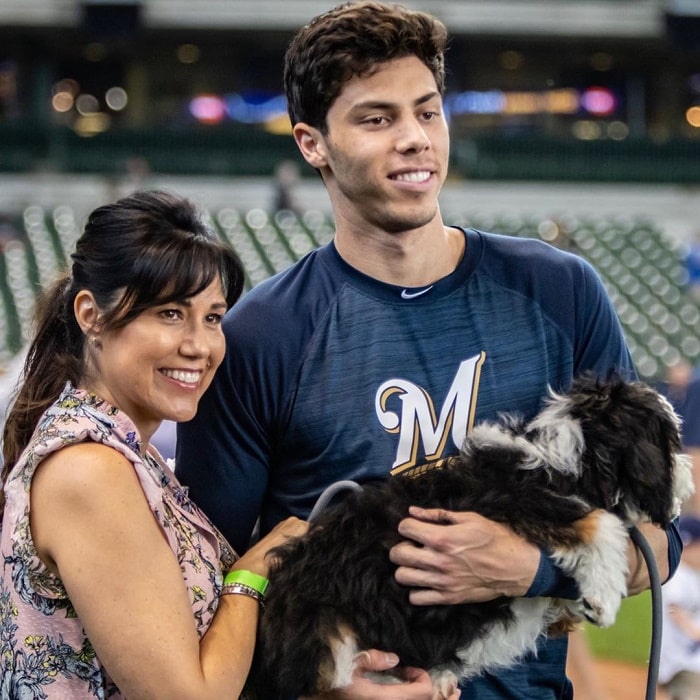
(375, 354)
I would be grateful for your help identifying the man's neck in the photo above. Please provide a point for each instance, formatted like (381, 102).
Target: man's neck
(410, 259)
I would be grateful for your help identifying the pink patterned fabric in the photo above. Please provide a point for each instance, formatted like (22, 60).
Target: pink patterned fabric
(44, 652)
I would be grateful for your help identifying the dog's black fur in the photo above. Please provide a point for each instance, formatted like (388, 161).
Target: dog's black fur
(604, 446)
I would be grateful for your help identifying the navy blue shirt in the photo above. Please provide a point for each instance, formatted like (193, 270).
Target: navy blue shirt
(686, 402)
(330, 375)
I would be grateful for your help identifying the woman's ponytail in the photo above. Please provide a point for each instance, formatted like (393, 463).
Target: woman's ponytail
(54, 357)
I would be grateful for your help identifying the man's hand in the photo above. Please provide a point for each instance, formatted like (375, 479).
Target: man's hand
(450, 558)
(415, 683)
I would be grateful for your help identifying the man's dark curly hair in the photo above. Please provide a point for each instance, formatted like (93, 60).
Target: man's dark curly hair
(350, 40)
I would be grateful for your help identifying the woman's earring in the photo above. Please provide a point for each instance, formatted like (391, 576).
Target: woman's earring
(95, 340)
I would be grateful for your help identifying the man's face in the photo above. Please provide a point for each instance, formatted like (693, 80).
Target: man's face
(387, 148)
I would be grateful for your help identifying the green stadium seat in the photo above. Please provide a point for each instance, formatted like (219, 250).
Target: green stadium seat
(641, 268)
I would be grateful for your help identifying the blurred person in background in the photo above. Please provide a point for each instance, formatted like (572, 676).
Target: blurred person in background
(114, 584)
(373, 355)
(692, 266)
(679, 669)
(285, 184)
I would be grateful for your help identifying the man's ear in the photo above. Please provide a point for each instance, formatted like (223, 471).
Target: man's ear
(86, 311)
(312, 144)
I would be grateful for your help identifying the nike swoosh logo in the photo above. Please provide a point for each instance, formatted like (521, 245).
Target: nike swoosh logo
(405, 294)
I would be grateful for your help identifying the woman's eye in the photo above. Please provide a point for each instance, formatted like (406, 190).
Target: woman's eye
(170, 313)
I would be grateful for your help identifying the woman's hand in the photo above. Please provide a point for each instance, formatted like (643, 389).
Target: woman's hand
(256, 559)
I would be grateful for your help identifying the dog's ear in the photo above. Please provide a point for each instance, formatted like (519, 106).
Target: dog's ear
(632, 437)
(654, 457)
(647, 482)
(588, 404)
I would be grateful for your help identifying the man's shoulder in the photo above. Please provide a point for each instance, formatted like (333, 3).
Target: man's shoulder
(533, 249)
(530, 262)
(287, 302)
(297, 281)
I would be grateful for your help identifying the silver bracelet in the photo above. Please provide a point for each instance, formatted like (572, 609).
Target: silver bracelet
(242, 589)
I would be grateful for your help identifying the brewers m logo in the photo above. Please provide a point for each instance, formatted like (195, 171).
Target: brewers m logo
(416, 420)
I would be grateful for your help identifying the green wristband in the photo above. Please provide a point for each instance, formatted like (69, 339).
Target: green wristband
(247, 578)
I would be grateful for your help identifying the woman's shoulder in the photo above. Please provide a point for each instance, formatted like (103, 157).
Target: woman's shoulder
(88, 454)
(79, 472)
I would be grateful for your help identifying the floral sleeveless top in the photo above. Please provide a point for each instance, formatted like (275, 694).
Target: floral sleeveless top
(44, 652)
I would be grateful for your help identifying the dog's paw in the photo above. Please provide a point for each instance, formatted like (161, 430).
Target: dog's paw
(445, 684)
(600, 613)
(595, 611)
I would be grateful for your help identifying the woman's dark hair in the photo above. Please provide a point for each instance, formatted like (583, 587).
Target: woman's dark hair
(353, 40)
(144, 250)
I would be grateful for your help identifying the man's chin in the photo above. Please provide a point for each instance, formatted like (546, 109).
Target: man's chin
(400, 223)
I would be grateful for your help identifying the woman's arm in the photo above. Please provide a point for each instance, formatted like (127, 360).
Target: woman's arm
(92, 526)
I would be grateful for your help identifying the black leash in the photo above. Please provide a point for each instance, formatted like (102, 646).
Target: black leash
(329, 494)
(656, 611)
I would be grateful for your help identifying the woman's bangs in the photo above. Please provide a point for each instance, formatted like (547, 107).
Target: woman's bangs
(169, 276)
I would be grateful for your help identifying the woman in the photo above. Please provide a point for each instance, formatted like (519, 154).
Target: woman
(112, 578)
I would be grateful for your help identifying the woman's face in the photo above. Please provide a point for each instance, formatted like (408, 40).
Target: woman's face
(158, 366)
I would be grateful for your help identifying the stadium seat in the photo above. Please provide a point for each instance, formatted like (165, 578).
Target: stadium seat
(642, 269)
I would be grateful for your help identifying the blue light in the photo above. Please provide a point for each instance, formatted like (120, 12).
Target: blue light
(254, 107)
(475, 102)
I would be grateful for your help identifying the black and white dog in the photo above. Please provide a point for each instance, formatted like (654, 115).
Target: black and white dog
(604, 456)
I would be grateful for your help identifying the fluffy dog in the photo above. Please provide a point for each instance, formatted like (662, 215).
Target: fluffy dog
(600, 458)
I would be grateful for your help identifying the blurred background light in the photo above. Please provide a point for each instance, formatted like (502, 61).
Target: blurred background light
(693, 116)
(62, 102)
(91, 124)
(255, 107)
(598, 100)
(116, 98)
(87, 104)
(188, 53)
(208, 109)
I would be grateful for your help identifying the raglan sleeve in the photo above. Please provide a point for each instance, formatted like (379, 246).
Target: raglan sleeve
(599, 341)
(691, 415)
